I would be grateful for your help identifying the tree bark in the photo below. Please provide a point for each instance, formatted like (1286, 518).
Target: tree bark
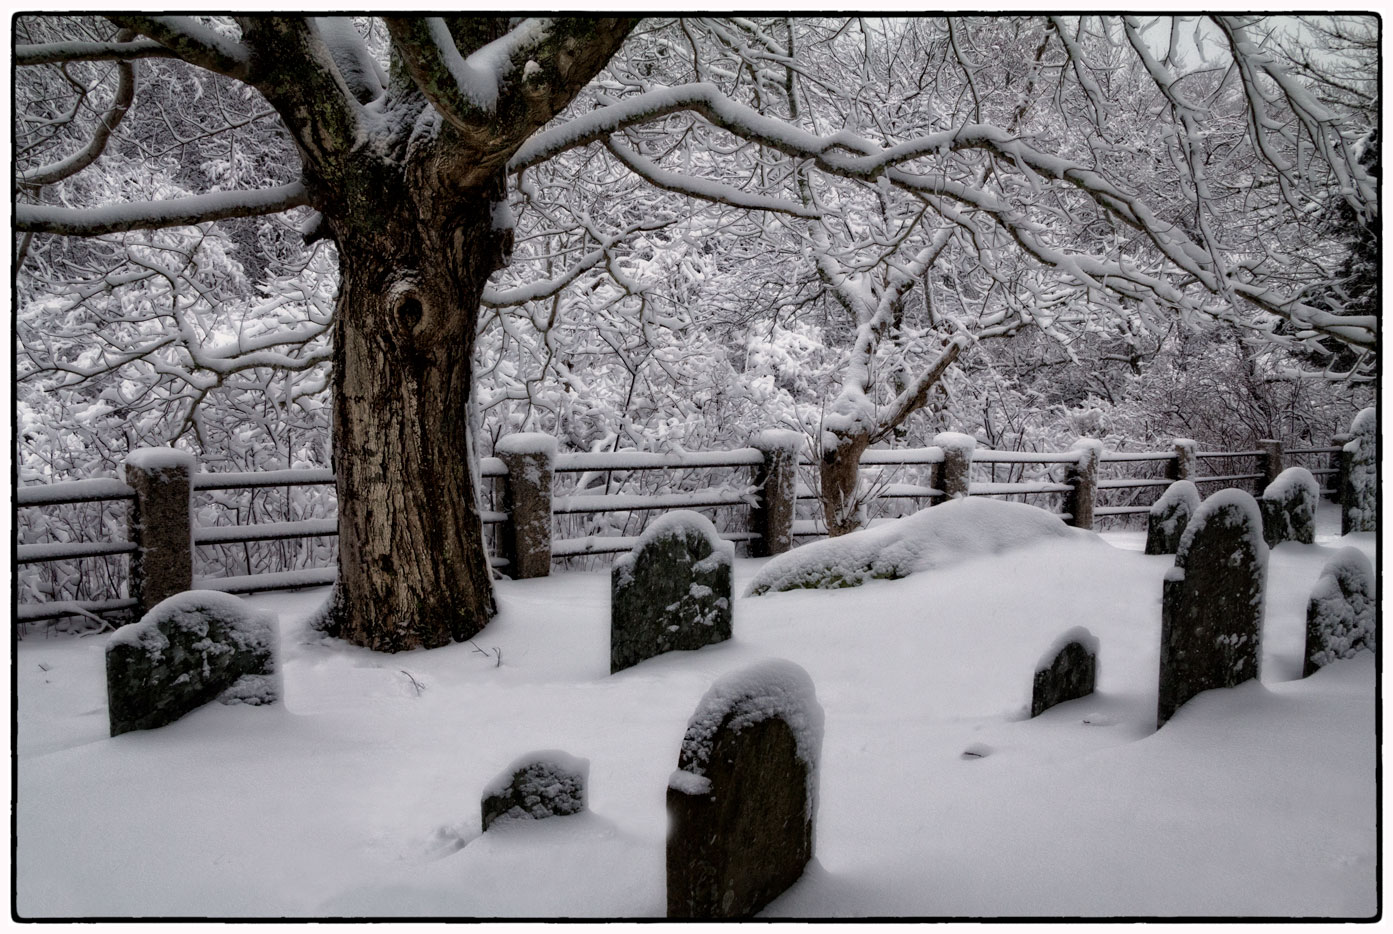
(839, 477)
(413, 568)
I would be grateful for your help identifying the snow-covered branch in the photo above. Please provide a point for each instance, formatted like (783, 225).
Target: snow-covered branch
(192, 42)
(149, 215)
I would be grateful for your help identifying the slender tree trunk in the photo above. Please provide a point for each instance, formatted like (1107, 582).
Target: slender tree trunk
(839, 477)
(413, 568)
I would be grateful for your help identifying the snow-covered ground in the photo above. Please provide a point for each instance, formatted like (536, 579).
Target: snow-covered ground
(360, 794)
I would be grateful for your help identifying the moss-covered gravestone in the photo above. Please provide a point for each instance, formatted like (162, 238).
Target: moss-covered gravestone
(744, 795)
(189, 649)
(1212, 602)
(1340, 615)
(1067, 670)
(673, 591)
(539, 785)
(1289, 508)
(1168, 516)
(1359, 493)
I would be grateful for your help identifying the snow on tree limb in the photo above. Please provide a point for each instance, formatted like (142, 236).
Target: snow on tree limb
(192, 42)
(72, 164)
(150, 215)
(705, 189)
(57, 53)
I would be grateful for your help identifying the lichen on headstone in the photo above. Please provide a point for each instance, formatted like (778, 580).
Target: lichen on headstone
(192, 648)
(549, 783)
(1359, 497)
(1168, 516)
(672, 592)
(1340, 617)
(1212, 602)
(1289, 508)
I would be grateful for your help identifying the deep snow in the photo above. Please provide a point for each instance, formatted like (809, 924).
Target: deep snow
(359, 795)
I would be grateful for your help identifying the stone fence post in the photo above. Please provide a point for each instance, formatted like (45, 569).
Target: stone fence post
(955, 474)
(776, 491)
(1338, 463)
(525, 539)
(1082, 475)
(1185, 465)
(160, 524)
(1269, 462)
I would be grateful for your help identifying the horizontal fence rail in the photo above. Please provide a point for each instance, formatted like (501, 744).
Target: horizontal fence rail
(928, 476)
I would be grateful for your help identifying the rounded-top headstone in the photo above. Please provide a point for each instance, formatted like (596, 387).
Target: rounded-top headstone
(673, 591)
(1169, 515)
(1340, 617)
(744, 796)
(1289, 508)
(1212, 602)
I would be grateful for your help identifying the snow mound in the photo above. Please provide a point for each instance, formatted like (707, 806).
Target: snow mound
(936, 537)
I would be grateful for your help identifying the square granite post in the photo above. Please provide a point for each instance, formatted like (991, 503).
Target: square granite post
(160, 523)
(1082, 476)
(1269, 462)
(776, 491)
(526, 536)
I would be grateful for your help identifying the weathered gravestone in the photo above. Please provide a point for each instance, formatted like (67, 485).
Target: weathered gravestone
(1359, 493)
(1168, 516)
(543, 784)
(189, 649)
(1067, 670)
(744, 795)
(1212, 602)
(1289, 508)
(1340, 615)
(673, 591)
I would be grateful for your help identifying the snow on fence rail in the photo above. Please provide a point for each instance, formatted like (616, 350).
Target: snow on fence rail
(1081, 496)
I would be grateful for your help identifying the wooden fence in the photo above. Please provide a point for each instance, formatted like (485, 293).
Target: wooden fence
(776, 500)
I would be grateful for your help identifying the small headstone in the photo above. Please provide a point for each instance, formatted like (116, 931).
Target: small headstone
(1168, 516)
(1067, 670)
(189, 649)
(1212, 602)
(673, 591)
(1289, 508)
(744, 795)
(1359, 498)
(1340, 615)
(543, 784)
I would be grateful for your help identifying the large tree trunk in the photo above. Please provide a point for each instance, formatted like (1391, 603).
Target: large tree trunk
(413, 569)
(839, 477)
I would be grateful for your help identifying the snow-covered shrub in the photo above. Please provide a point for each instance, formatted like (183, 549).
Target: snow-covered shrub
(936, 537)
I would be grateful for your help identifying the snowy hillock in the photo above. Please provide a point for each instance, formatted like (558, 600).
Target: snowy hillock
(936, 537)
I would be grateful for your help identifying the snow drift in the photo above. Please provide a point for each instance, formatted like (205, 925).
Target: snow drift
(932, 538)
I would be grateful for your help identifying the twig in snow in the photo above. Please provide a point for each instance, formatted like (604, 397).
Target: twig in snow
(414, 683)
